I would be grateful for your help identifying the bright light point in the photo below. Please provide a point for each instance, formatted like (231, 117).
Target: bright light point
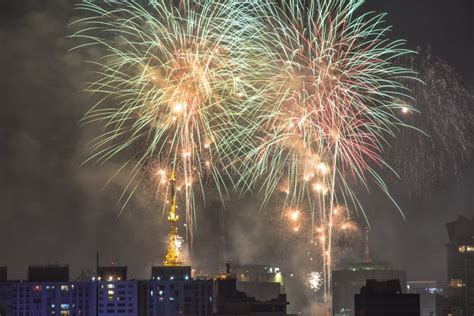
(405, 110)
(208, 163)
(335, 134)
(295, 215)
(320, 188)
(296, 229)
(315, 281)
(323, 168)
(344, 226)
(178, 107)
(153, 78)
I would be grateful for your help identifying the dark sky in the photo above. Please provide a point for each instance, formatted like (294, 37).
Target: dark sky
(55, 210)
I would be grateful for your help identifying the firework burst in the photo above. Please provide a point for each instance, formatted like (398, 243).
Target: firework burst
(330, 102)
(171, 79)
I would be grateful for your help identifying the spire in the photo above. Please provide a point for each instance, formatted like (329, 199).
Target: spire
(174, 241)
(366, 247)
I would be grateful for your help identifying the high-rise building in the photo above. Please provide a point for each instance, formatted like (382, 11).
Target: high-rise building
(116, 295)
(52, 298)
(50, 273)
(173, 291)
(48, 291)
(230, 301)
(382, 298)
(263, 282)
(4, 292)
(348, 282)
(460, 258)
(3, 274)
(428, 290)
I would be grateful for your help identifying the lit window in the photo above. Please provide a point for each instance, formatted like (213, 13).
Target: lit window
(110, 286)
(110, 292)
(37, 288)
(64, 306)
(463, 249)
(64, 288)
(456, 283)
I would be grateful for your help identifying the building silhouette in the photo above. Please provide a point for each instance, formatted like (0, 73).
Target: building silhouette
(4, 292)
(263, 282)
(460, 259)
(428, 290)
(385, 298)
(348, 281)
(170, 291)
(228, 301)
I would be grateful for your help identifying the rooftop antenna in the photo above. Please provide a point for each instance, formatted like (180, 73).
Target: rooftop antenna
(366, 247)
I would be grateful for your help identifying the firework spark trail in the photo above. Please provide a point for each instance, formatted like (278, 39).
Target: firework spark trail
(330, 103)
(172, 81)
(442, 113)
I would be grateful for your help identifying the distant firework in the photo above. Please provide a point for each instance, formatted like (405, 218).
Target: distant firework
(315, 281)
(443, 118)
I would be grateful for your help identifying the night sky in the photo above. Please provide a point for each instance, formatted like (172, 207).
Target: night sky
(53, 209)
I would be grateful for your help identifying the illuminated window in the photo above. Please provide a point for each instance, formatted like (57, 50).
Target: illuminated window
(37, 288)
(110, 286)
(463, 249)
(64, 288)
(456, 283)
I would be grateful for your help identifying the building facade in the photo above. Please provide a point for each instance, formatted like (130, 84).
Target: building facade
(382, 298)
(172, 291)
(428, 290)
(262, 282)
(228, 301)
(460, 259)
(349, 281)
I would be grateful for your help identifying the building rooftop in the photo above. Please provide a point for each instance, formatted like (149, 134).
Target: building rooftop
(461, 230)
